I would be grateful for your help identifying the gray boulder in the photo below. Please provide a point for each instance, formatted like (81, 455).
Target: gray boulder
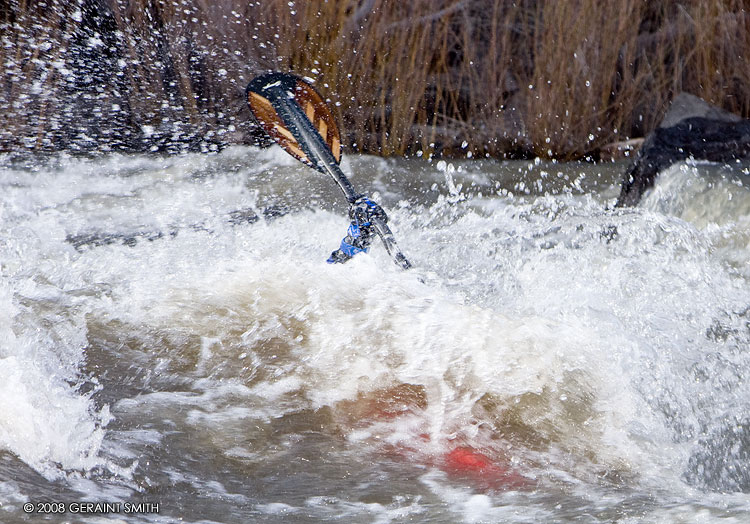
(692, 128)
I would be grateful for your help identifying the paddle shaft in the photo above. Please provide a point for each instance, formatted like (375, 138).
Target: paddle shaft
(313, 144)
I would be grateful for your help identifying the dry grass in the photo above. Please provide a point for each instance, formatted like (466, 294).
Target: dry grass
(489, 77)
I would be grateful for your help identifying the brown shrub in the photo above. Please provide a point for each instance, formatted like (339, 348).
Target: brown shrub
(492, 77)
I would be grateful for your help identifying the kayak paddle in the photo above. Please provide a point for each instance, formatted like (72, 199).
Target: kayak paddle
(295, 116)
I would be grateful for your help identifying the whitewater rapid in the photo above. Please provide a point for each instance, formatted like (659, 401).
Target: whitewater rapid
(171, 333)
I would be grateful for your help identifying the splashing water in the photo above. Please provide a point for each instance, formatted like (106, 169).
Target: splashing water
(171, 333)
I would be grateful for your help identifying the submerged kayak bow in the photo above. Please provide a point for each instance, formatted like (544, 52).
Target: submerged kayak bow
(295, 116)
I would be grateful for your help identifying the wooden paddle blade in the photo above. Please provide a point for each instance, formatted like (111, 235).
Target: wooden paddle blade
(267, 117)
(318, 113)
(268, 97)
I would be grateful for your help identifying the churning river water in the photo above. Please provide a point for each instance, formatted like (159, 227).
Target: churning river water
(174, 347)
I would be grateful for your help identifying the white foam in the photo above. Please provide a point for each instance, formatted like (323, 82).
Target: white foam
(44, 422)
(43, 419)
(11, 496)
(531, 306)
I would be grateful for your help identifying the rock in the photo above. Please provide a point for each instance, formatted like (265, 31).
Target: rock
(686, 105)
(692, 128)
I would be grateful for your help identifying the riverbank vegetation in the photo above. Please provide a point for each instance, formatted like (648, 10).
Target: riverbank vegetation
(457, 77)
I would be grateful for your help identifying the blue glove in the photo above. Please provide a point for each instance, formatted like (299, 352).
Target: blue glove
(361, 232)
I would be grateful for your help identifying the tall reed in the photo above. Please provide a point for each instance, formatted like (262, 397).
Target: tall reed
(486, 77)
